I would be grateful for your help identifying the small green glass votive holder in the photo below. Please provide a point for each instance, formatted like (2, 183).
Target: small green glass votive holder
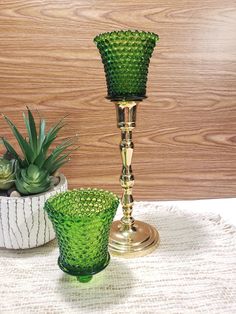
(126, 55)
(82, 219)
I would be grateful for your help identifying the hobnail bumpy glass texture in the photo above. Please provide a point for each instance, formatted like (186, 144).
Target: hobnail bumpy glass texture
(82, 219)
(126, 56)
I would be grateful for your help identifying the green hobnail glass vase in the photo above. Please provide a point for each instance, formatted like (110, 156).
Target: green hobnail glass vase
(82, 220)
(126, 56)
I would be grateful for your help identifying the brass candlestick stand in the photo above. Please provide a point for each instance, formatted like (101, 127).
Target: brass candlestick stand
(129, 237)
(126, 55)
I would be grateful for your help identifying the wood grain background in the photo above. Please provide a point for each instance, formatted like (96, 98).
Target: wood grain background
(185, 142)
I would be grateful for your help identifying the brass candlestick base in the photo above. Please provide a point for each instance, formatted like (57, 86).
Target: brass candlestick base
(138, 240)
(129, 237)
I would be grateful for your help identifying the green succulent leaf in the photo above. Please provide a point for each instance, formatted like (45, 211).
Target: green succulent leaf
(48, 164)
(58, 165)
(11, 150)
(39, 161)
(41, 138)
(52, 134)
(32, 180)
(25, 147)
(31, 130)
(35, 147)
(7, 173)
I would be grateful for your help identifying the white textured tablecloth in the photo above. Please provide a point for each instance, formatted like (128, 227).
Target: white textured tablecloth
(192, 271)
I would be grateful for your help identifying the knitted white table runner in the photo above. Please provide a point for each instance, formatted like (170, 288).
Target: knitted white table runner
(192, 271)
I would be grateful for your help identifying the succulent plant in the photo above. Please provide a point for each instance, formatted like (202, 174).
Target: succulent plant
(35, 148)
(32, 180)
(7, 173)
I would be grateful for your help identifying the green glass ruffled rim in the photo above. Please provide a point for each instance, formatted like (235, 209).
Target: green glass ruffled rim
(80, 203)
(126, 34)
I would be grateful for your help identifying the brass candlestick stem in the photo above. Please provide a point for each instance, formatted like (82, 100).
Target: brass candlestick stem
(129, 237)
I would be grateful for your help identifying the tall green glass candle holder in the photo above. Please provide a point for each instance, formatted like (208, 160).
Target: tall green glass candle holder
(126, 56)
(82, 220)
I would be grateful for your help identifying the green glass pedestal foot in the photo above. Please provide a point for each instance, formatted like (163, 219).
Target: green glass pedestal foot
(82, 220)
(83, 276)
(84, 279)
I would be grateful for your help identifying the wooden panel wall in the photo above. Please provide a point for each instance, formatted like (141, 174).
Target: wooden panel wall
(186, 136)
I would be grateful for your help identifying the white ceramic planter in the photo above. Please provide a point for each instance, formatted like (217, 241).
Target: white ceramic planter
(24, 223)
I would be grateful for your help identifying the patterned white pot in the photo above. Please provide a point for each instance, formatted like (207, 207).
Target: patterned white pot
(24, 223)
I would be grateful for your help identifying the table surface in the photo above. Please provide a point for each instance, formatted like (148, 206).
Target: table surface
(193, 270)
(225, 207)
